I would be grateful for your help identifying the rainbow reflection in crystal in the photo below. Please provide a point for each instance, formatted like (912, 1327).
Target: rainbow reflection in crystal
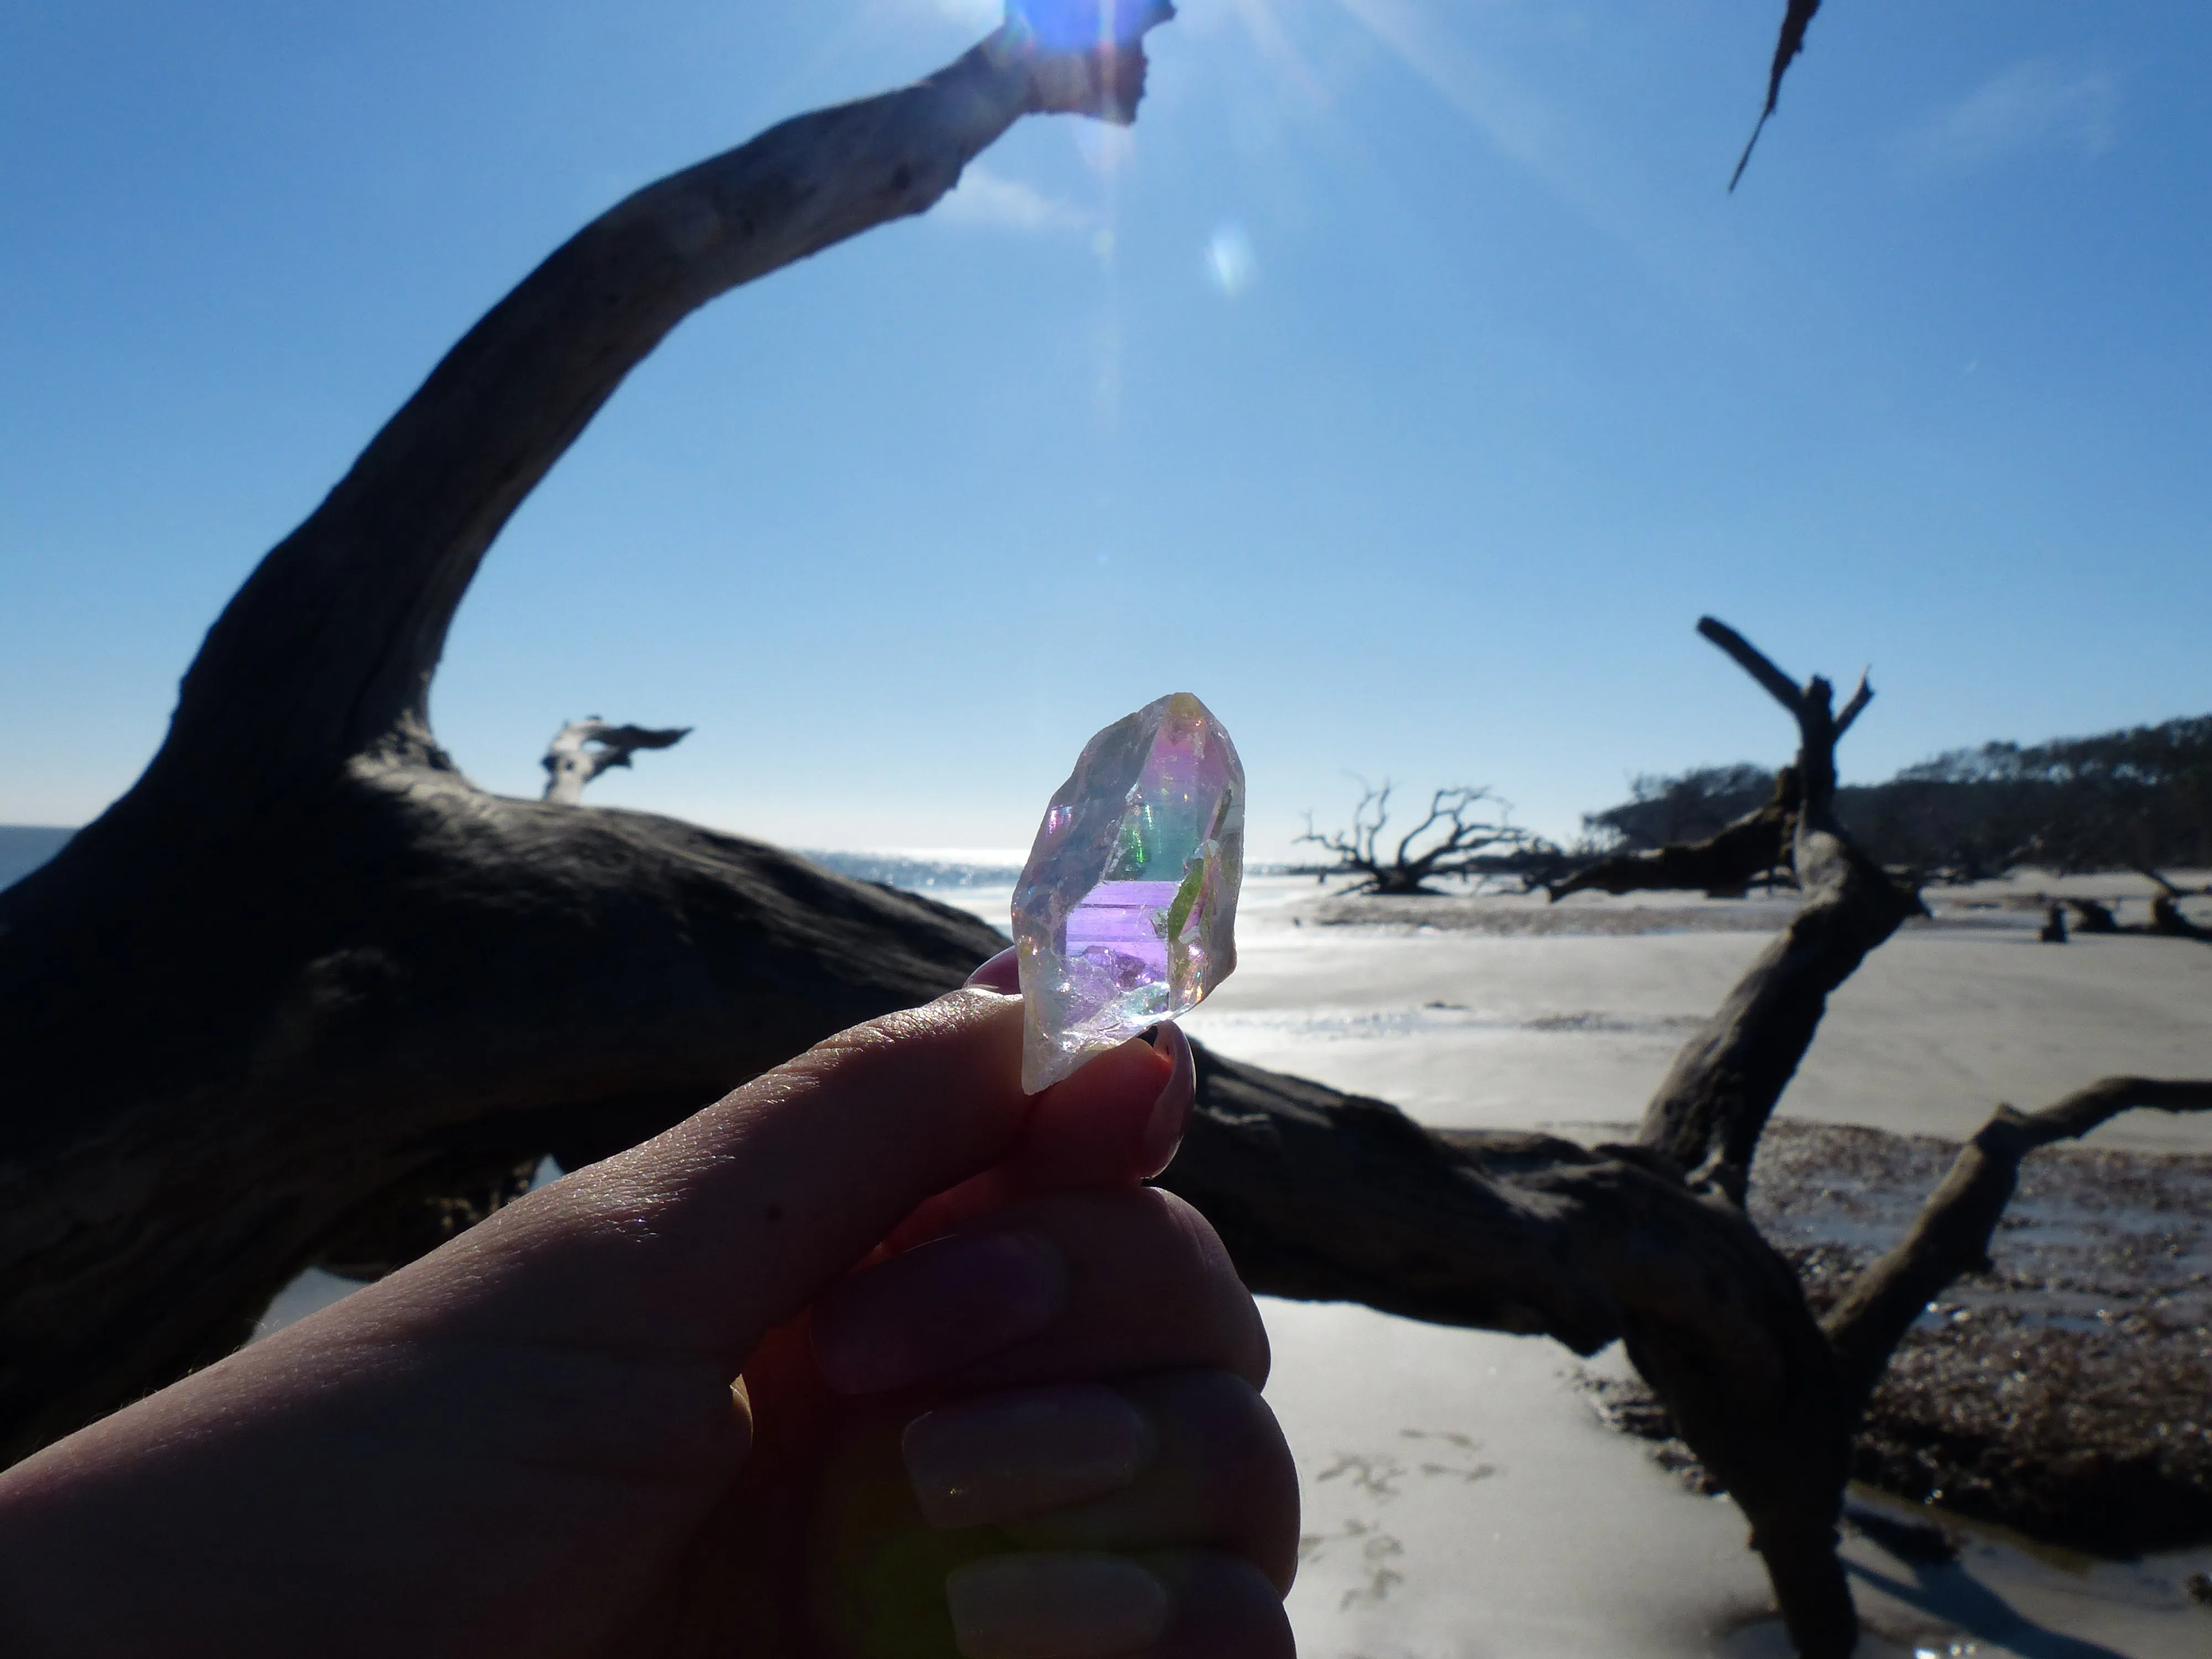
(1126, 913)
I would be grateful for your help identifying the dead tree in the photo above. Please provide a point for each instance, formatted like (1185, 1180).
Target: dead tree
(304, 984)
(1723, 866)
(2092, 917)
(583, 749)
(1650, 1243)
(1796, 19)
(306, 994)
(1461, 844)
(2167, 921)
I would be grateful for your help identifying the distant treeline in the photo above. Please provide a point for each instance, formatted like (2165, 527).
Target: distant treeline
(2126, 800)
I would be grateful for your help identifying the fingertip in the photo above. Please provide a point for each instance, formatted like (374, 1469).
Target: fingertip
(1171, 1110)
(1097, 1128)
(1002, 974)
(1222, 1604)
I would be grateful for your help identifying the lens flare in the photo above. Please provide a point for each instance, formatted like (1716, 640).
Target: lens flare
(1230, 262)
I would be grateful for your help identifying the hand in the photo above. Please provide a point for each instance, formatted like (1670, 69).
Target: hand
(529, 1442)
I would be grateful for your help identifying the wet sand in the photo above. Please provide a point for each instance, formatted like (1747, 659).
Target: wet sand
(1570, 1540)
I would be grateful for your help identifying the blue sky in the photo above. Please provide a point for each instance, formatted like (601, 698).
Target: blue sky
(1406, 384)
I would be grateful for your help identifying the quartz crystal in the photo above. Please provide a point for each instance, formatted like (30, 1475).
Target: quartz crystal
(1126, 912)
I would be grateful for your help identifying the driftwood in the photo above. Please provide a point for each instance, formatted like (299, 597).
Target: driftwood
(1723, 866)
(306, 994)
(1711, 1110)
(2092, 917)
(583, 749)
(1952, 1236)
(1649, 1243)
(1794, 22)
(2167, 919)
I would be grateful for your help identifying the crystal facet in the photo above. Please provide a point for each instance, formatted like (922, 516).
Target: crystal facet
(1126, 913)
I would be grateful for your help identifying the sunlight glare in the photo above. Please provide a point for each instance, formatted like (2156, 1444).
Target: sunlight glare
(972, 16)
(1230, 260)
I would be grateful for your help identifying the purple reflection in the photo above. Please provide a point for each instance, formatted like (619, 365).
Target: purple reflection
(1115, 930)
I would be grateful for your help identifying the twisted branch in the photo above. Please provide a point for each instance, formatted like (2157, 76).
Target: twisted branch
(1952, 1235)
(1714, 1103)
(583, 749)
(1726, 862)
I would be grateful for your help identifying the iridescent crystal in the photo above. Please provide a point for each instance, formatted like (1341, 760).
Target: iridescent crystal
(1126, 913)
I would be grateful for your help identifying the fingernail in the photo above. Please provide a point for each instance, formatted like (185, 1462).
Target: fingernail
(939, 1307)
(1002, 973)
(1054, 1607)
(1171, 1111)
(1024, 1452)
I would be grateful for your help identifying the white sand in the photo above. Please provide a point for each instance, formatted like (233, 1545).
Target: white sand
(1461, 1501)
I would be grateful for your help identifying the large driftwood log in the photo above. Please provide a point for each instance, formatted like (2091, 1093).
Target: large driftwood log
(305, 981)
(1323, 1197)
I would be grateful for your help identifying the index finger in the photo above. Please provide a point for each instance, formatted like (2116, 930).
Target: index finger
(1100, 1127)
(704, 1237)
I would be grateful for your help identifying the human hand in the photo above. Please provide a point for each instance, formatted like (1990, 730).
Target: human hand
(529, 1443)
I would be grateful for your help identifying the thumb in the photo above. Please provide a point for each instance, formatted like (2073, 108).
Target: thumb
(703, 1239)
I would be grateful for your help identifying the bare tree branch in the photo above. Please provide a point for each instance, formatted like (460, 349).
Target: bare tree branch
(1714, 1103)
(1755, 663)
(2169, 887)
(351, 611)
(1724, 863)
(583, 749)
(1857, 706)
(1952, 1236)
(1794, 22)
(358, 985)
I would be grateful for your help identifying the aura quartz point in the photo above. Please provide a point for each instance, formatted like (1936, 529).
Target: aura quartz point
(1126, 912)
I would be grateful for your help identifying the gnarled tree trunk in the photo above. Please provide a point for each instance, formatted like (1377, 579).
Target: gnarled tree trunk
(305, 979)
